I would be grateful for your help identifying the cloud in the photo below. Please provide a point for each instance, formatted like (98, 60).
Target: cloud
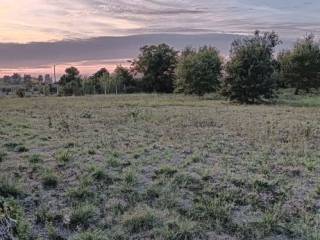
(50, 20)
(103, 48)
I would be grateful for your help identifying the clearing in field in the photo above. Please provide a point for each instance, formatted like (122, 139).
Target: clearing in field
(158, 167)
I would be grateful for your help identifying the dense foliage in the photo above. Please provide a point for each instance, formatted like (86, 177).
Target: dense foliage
(300, 67)
(70, 82)
(95, 83)
(157, 66)
(125, 80)
(249, 73)
(198, 72)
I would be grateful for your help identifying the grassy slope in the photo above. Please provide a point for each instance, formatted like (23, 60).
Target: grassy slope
(162, 167)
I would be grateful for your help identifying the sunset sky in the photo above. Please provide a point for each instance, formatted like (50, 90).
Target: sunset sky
(25, 21)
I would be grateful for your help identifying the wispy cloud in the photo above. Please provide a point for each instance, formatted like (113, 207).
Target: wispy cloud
(45, 20)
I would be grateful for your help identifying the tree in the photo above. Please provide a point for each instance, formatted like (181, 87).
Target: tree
(40, 79)
(300, 68)
(198, 72)
(27, 80)
(7, 79)
(47, 79)
(157, 65)
(105, 82)
(16, 78)
(97, 81)
(251, 68)
(71, 82)
(124, 79)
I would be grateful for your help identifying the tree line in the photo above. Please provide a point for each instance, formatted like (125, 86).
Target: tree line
(26, 79)
(252, 73)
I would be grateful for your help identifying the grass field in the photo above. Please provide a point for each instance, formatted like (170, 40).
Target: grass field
(159, 167)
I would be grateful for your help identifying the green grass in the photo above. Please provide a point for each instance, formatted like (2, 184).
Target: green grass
(182, 229)
(302, 100)
(141, 218)
(49, 179)
(3, 156)
(91, 235)
(168, 171)
(81, 193)
(64, 156)
(83, 215)
(9, 187)
(161, 167)
(35, 158)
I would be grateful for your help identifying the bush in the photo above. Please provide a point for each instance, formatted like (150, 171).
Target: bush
(251, 69)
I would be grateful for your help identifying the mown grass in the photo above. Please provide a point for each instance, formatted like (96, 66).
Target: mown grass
(161, 167)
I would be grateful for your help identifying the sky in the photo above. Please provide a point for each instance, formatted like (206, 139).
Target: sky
(51, 21)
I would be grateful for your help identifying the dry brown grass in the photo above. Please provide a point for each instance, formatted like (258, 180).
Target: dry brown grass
(259, 165)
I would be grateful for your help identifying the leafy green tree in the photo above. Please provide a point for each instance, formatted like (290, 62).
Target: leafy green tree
(198, 72)
(124, 79)
(300, 67)
(70, 82)
(96, 81)
(251, 68)
(157, 65)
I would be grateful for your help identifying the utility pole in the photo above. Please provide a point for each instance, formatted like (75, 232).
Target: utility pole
(54, 73)
(55, 78)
